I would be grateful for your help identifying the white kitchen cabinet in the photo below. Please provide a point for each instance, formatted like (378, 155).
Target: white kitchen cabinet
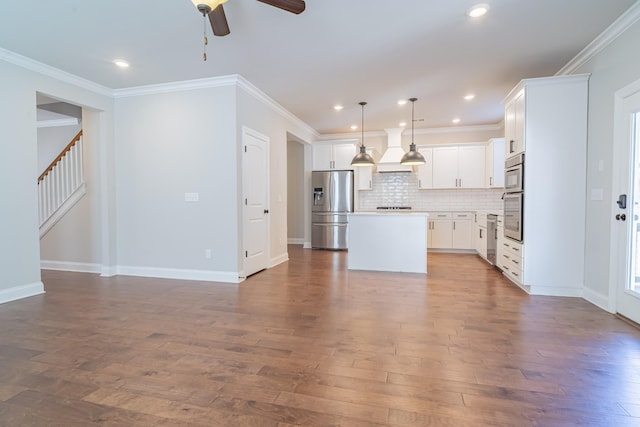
(554, 125)
(449, 230)
(459, 166)
(425, 172)
(364, 175)
(500, 243)
(480, 234)
(337, 155)
(494, 163)
(462, 231)
(514, 125)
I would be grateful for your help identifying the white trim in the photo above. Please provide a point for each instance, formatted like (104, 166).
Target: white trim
(19, 292)
(619, 26)
(427, 131)
(54, 73)
(556, 291)
(210, 82)
(306, 245)
(597, 299)
(295, 241)
(180, 274)
(78, 267)
(57, 122)
(108, 271)
(279, 260)
(252, 90)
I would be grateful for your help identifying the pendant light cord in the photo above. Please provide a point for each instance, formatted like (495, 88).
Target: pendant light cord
(362, 126)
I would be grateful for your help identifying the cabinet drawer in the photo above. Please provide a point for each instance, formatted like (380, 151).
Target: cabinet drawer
(513, 247)
(481, 219)
(440, 215)
(462, 215)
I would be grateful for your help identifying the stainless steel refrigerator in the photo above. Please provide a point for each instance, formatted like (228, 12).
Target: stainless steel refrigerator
(332, 201)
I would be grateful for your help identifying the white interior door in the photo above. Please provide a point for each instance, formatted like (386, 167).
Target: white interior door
(255, 179)
(626, 211)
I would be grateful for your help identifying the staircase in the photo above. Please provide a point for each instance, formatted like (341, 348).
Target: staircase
(61, 185)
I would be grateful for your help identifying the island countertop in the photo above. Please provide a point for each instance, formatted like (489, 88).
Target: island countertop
(389, 241)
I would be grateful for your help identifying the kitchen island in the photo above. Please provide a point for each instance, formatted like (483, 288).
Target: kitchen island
(388, 241)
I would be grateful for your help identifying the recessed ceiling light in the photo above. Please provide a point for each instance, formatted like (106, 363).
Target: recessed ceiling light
(354, 127)
(469, 97)
(121, 63)
(402, 124)
(402, 102)
(338, 107)
(456, 120)
(478, 10)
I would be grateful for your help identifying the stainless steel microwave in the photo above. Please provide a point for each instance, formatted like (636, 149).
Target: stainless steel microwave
(514, 174)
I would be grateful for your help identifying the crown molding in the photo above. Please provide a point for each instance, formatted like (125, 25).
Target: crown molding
(57, 122)
(612, 32)
(209, 82)
(55, 73)
(252, 90)
(426, 131)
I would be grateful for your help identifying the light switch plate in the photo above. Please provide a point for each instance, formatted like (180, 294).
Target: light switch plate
(191, 197)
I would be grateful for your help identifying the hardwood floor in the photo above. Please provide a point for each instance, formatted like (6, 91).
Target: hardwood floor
(310, 343)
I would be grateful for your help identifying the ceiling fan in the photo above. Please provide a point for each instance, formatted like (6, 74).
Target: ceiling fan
(215, 11)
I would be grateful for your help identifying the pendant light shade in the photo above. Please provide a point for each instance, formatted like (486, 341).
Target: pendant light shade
(362, 158)
(412, 157)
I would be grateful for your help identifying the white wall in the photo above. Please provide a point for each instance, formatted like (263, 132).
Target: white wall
(254, 113)
(170, 144)
(612, 69)
(20, 245)
(295, 192)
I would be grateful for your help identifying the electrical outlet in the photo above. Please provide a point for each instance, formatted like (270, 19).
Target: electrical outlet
(207, 253)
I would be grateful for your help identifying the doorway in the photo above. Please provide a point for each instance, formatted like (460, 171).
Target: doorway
(625, 233)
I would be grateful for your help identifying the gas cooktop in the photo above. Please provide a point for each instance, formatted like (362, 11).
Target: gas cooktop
(390, 208)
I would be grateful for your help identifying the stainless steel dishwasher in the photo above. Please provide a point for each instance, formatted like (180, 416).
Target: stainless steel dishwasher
(492, 238)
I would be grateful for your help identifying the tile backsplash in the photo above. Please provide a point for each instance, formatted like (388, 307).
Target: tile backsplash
(401, 189)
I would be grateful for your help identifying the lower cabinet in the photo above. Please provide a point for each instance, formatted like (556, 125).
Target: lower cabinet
(450, 230)
(510, 261)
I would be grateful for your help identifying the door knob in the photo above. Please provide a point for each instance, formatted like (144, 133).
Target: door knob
(621, 217)
(266, 211)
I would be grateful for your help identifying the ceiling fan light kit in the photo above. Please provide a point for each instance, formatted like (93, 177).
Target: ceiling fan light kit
(206, 6)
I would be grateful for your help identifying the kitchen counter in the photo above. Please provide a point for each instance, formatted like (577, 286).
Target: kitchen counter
(390, 241)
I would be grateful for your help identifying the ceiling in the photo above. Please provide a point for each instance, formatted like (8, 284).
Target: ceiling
(336, 52)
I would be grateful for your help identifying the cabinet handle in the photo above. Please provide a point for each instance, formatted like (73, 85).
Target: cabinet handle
(370, 184)
(419, 183)
(511, 150)
(480, 233)
(506, 257)
(516, 249)
(514, 261)
(454, 225)
(490, 181)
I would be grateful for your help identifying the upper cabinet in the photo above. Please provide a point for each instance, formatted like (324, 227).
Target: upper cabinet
(494, 163)
(514, 115)
(337, 155)
(364, 174)
(425, 172)
(460, 166)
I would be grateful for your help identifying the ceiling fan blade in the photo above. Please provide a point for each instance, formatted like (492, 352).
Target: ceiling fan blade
(218, 21)
(293, 6)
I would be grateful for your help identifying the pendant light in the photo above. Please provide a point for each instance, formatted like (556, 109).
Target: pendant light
(362, 158)
(412, 157)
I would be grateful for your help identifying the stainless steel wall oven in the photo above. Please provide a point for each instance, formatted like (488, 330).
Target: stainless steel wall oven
(514, 198)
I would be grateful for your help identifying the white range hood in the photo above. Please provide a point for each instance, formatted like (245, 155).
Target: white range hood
(390, 161)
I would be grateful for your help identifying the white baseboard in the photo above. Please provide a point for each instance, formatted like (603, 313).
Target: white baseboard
(180, 274)
(109, 271)
(19, 292)
(597, 299)
(295, 241)
(79, 267)
(556, 292)
(279, 259)
(306, 245)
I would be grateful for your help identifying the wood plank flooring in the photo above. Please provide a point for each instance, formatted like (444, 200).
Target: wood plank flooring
(310, 343)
